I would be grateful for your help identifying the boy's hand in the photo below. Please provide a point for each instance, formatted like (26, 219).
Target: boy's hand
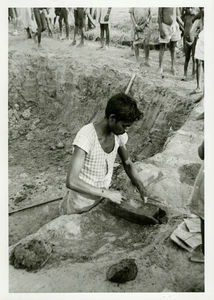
(137, 27)
(162, 33)
(114, 196)
(106, 18)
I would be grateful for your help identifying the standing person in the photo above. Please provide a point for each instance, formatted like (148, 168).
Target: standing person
(197, 203)
(95, 148)
(39, 14)
(169, 34)
(199, 52)
(79, 24)
(28, 21)
(63, 16)
(50, 15)
(57, 11)
(80, 14)
(141, 21)
(103, 19)
(13, 17)
(189, 39)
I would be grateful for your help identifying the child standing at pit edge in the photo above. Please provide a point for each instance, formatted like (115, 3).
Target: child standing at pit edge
(39, 14)
(141, 18)
(103, 19)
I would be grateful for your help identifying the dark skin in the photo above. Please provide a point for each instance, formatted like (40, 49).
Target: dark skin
(106, 131)
(188, 41)
(168, 16)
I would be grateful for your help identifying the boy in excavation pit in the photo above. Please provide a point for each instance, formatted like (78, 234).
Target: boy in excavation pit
(95, 148)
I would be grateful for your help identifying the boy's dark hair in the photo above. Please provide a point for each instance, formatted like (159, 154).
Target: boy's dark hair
(123, 107)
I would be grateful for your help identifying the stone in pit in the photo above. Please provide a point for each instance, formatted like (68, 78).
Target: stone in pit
(125, 270)
(30, 255)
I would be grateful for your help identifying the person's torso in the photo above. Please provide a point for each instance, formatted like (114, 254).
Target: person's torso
(141, 14)
(98, 164)
(168, 15)
(102, 13)
(188, 24)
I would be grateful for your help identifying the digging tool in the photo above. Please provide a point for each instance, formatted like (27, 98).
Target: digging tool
(130, 84)
(92, 119)
(34, 205)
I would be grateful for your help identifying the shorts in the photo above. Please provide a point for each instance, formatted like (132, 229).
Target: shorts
(74, 202)
(57, 11)
(79, 17)
(172, 34)
(142, 36)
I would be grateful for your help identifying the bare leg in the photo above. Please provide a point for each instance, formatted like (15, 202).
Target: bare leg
(198, 74)
(136, 51)
(60, 25)
(161, 54)
(172, 52)
(146, 51)
(193, 59)
(102, 35)
(187, 51)
(107, 36)
(81, 44)
(75, 33)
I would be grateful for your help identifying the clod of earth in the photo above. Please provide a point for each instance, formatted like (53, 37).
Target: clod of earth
(30, 255)
(188, 173)
(125, 270)
(60, 145)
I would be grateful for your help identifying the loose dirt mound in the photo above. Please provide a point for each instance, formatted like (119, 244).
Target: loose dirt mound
(31, 255)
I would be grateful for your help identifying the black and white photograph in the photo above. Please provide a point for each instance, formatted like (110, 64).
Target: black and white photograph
(107, 147)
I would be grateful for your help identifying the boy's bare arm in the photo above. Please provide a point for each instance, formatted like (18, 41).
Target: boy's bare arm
(179, 19)
(131, 170)
(160, 15)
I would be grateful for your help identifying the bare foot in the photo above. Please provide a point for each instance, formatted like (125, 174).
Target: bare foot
(80, 45)
(184, 78)
(73, 43)
(196, 91)
(40, 47)
(160, 71)
(173, 71)
(101, 48)
(147, 63)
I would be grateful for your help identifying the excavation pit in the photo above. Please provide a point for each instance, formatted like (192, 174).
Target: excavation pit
(51, 96)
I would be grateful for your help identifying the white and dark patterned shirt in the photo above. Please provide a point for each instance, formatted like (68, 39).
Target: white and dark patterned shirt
(98, 165)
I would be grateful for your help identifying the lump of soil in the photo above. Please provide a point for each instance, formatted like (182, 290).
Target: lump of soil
(60, 145)
(30, 255)
(123, 271)
(188, 173)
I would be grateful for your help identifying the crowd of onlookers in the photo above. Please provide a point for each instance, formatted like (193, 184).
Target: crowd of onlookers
(174, 24)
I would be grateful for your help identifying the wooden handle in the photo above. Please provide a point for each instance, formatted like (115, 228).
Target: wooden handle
(130, 84)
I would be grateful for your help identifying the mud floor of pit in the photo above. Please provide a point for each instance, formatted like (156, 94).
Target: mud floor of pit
(51, 95)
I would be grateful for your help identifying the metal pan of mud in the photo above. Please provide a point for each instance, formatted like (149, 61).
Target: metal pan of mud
(148, 214)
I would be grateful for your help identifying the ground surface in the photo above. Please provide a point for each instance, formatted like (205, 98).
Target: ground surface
(52, 93)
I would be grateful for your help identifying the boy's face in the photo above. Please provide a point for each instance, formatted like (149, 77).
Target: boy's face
(119, 127)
